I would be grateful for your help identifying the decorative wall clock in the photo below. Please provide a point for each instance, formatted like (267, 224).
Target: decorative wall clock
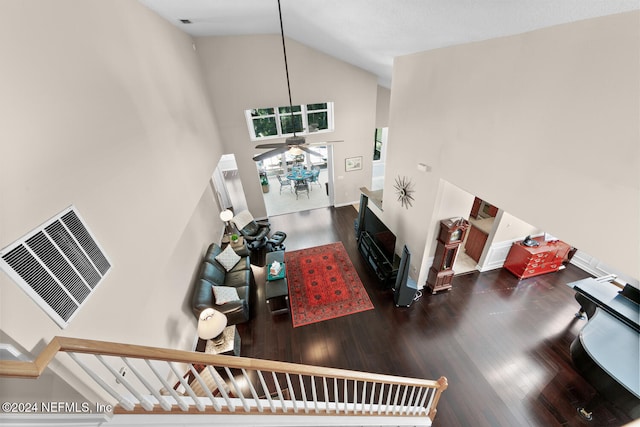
(404, 188)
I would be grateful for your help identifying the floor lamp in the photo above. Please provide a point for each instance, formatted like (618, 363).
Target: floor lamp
(226, 216)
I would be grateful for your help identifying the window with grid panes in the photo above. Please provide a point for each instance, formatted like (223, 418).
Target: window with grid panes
(274, 122)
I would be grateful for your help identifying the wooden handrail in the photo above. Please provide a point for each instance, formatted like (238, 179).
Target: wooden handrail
(20, 369)
(428, 392)
(64, 344)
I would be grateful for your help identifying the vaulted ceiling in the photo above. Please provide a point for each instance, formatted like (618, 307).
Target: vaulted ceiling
(370, 33)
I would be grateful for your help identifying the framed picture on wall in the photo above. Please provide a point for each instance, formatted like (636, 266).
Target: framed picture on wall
(353, 163)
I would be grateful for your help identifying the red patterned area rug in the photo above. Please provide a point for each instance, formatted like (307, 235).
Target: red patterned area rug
(323, 285)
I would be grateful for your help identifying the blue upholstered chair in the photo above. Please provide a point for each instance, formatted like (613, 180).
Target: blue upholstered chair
(314, 178)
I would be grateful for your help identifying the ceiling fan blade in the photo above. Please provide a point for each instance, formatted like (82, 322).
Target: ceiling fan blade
(304, 148)
(271, 153)
(270, 145)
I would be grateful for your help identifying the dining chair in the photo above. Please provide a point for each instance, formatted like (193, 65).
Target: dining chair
(302, 187)
(315, 173)
(284, 182)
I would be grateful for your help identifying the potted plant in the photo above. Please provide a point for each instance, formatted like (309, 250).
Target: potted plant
(234, 238)
(265, 184)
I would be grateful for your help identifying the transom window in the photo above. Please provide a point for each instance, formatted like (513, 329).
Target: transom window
(277, 122)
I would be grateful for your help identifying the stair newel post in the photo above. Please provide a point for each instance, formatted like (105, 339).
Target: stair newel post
(442, 386)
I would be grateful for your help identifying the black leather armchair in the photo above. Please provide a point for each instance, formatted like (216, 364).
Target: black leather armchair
(255, 232)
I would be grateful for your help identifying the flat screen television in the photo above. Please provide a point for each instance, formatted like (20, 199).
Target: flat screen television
(403, 270)
(382, 236)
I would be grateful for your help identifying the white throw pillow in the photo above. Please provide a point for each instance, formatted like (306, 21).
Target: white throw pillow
(224, 294)
(242, 219)
(228, 258)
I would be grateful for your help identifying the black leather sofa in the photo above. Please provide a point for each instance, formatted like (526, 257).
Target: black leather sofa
(212, 273)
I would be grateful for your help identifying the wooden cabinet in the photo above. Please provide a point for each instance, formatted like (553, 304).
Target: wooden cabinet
(528, 261)
(452, 232)
(475, 243)
(481, 208)
(475, 208)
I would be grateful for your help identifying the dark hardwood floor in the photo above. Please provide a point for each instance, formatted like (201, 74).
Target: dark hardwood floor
(503, 344)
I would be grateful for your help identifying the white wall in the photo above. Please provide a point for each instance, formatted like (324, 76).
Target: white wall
(248, 72)
(382, 107)
(103, 108)
(543, 124)
(511, 228)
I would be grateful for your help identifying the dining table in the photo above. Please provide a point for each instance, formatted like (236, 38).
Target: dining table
(299, 175)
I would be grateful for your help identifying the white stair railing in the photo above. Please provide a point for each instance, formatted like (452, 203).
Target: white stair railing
(154, 380)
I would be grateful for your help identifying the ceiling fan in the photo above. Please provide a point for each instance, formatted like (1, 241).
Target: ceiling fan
(297, 144)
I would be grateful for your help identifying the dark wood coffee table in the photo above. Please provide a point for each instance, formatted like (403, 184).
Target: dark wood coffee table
(276, 290)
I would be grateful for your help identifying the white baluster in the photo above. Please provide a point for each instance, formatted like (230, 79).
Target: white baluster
(395, 399)
(432, 394)
(389, 393)
(346, 397)
(314, 394)
(186, 386)
(293, 395)
(222, 387)
(303, 393)
(371, 399)
(124, 402)
(416, 406)
(364, 397)
(252, 390)
(164, 403)
(380, 398)
(179, 400)
(266, 391)
(206, 389)
(405, 410)
(144, 402)
(279, 390)
(326, 393)
(402, 401)
(245, 405)
(355, 397)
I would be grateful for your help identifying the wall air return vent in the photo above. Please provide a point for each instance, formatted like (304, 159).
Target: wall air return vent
(59, 265)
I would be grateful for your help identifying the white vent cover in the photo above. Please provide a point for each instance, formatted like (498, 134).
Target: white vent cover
(59, 264)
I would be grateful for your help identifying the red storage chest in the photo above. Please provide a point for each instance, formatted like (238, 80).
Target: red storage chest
(528, 261)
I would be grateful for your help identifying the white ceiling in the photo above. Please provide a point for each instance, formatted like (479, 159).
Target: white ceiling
(370, 33)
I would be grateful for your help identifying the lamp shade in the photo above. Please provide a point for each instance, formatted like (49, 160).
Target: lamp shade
(211, 323)
(226, 215)
(295, 151)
